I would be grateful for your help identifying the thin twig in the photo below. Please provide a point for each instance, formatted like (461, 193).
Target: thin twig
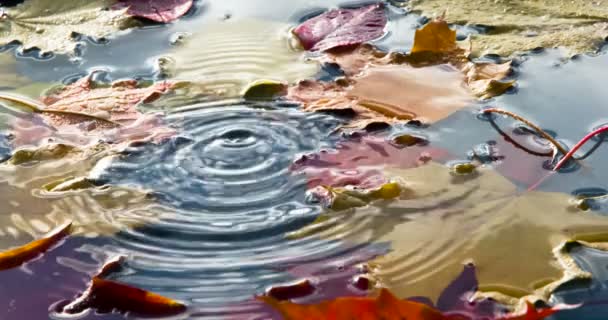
(540, 131)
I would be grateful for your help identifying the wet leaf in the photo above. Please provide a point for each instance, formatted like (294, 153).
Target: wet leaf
(109, 295)
(156, 10)
(386, 306)
(342, 27)
(515, 26)
(10, 77)
(84, 113)
(429, 84)
(482, 218)
(49, 24)
(222, 59)
(18, 256)
(359, 161)
(45, 153)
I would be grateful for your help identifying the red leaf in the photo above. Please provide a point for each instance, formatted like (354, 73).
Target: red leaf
(342, 27)
(156, 10)
(18, 256)
(386, 307)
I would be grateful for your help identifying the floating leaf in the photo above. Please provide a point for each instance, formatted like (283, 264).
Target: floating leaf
(109, 295)
(224, 58)
(49, 24)
(18, 256)
(482, 218)
(84, 113)
(156, 10)
(389, 88)
(512, 26)
(265, 90)
(342, 27)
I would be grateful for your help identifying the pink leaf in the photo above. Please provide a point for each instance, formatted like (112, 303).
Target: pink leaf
(164, 11)
(342, 27)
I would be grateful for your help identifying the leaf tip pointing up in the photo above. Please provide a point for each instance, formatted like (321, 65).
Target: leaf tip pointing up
(436, 36)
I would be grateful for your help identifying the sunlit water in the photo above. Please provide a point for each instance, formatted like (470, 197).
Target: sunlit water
(221, 198)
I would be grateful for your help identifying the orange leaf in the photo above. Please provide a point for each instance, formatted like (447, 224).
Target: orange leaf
(110, 295)
(386, 306)
(18, 256)
(436, 36)
(532, 313)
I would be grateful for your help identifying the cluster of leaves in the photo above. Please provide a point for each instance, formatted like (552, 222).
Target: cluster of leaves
(428, 84)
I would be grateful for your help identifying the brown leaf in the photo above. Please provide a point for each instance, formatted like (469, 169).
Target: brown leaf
(429, 84)
(18, 256)
(385, 306)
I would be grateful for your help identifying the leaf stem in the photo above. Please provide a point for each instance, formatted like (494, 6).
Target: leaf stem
(530, 124)
(578, 145)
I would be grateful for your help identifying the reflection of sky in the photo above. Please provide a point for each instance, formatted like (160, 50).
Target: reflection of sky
(551, 95)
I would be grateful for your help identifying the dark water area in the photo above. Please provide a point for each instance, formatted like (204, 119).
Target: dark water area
(209, 213)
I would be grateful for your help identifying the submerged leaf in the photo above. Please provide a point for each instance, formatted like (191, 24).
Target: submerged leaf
(520, 25)
(386, 306)
(265, 90)
(342, 27)
(482, 218)
(156, 10)
(359, 161)
(49, 24)
(18, 256)
(83, 113)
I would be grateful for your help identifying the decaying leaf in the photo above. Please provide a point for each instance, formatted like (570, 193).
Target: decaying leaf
(82, 113)
(512, 26)
(224, 58)
(429, 84)
(442, 220)
(110, 295)
(156, 10)
(342, 27)
(49, 24)
(15, 257)
(386, 306)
